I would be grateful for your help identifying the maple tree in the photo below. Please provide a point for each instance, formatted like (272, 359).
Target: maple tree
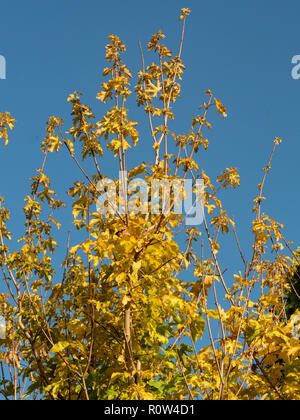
(128, 319)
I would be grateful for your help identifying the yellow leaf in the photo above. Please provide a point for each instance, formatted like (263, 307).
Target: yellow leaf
(59, 347)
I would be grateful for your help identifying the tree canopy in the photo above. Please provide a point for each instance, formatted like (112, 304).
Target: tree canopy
(137, 312)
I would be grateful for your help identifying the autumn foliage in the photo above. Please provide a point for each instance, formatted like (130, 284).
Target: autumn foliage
(137, 313)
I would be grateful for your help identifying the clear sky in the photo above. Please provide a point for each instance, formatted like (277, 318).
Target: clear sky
(241, 50)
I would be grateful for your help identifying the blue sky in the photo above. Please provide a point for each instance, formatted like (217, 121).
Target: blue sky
(242, 51)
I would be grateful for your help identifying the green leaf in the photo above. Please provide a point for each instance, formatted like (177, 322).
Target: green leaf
(198, 327)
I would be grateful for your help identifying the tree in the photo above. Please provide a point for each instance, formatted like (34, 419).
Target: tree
(124, 321)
